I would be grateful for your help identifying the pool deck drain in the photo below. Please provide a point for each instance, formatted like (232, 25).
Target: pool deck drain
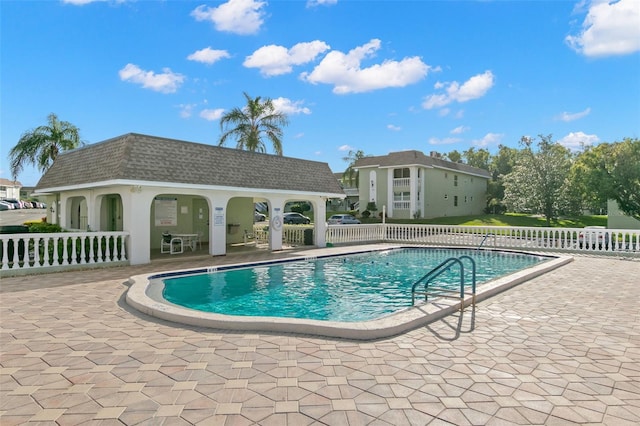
(561, 348)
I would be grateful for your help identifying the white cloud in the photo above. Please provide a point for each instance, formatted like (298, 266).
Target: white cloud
(277, 60)
(235, 16)
(394, 128)
(212, 114)
(445, 141)
(474, 88)
(488, 139)
(459, 130)
(571, 116)
(290, 107)
(313, 3)
(577, 140)
(346, 148)
(165, 82)
(208, 55)
(344, 71)
(610, 28)
(186, 110)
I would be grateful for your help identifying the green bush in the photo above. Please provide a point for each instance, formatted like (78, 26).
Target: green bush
(43, 227)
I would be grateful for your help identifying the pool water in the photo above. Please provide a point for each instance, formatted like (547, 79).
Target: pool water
(350, 288)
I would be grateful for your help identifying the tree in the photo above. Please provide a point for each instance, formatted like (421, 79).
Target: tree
(589, 175)
(351, 174)
(248, 125)
(454, 156)
(40, 146)
(500, 165)
(539, 180)
(624, 170)
(480, 158)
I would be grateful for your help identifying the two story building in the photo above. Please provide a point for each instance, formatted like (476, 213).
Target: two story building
(413, 185)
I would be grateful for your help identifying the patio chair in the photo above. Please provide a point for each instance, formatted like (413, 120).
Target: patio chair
(169, 244)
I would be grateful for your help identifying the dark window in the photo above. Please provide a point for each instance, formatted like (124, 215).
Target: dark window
(455, 201)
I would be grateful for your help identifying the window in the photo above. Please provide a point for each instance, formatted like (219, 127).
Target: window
(446, 196)
(465, 198)
(401, 196)
(446, 175)
(455, 180)
(400, 173)
(455, 201)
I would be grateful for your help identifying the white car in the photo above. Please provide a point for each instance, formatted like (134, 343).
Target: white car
(343, 219)
(594, 236)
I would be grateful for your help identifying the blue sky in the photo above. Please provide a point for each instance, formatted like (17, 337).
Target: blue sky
(376, 76)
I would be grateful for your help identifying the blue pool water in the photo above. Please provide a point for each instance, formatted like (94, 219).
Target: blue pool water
(349, 288)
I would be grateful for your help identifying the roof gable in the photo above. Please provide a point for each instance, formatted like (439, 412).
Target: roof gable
(139, 157)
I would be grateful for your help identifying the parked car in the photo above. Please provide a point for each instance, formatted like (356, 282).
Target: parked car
(16, 204)
(593, 236)
(8, 205)
(4, 207)
(295, 218)
(342, 219)
(259, 217)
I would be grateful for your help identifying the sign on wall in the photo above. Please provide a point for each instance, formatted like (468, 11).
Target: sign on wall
(166, 211)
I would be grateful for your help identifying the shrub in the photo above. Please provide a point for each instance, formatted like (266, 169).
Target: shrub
(43, 227)
(366, 214)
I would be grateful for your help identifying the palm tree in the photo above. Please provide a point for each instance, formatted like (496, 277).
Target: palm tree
(40, 146)
(351, 174)
(258, 117)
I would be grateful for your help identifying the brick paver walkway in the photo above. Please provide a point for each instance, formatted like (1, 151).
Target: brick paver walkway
(561, 349)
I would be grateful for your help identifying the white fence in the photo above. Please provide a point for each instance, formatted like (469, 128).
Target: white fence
(613, 241)
(26, 253)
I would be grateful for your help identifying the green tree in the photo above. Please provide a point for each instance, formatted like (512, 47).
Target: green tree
(624, 170)
(609, 171)
(539, 180)
(589, 176)
(351, 173)
(500, 165)
(40, 146)
(454, 156)
(248, 125)
(480, 158)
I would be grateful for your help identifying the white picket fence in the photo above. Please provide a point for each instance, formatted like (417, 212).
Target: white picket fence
(28, 252)
(31, 252)
(612, 241)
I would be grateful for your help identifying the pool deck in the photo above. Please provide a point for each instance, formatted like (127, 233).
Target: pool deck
(563, 348)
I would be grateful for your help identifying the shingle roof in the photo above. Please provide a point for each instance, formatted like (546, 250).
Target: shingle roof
(136, 157)
(413, 157)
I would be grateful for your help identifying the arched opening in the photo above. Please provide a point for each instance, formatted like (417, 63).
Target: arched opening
(184, 217)
(77, 214)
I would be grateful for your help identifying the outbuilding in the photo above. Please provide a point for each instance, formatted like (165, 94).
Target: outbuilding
(147, 186)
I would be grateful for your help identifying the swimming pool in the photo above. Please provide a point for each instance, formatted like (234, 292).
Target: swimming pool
(146, 293)
(357, 287)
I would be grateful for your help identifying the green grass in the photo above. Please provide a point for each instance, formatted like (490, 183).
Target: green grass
(509, 219)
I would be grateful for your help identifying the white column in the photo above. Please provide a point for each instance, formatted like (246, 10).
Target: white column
(413, 192)
(276, 206)
(218, 228)
(320, 224)
(135, 220)
(390, 192)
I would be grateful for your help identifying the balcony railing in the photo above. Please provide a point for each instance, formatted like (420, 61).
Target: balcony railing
(401, 205)
(401, 182)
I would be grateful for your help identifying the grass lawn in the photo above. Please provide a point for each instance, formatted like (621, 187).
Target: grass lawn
(509, 219)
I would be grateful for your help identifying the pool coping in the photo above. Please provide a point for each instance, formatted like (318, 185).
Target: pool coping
(147, 298)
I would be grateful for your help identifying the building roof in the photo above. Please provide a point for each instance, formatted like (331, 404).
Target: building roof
(417, 158)
(9, 182)
(141, 158)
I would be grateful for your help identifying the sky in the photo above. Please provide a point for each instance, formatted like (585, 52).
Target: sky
(376, 76)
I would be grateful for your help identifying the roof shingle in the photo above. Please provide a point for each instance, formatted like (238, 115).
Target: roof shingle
(136, 157)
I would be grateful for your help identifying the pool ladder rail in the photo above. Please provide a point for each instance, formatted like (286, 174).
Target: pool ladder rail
(435, 291)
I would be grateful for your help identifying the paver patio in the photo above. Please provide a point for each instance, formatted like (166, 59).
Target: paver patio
(563, 348)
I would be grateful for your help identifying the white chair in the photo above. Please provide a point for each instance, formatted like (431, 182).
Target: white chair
(172, 245)
(197, 241)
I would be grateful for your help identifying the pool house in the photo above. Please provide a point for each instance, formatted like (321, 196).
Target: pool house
(146, 186)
